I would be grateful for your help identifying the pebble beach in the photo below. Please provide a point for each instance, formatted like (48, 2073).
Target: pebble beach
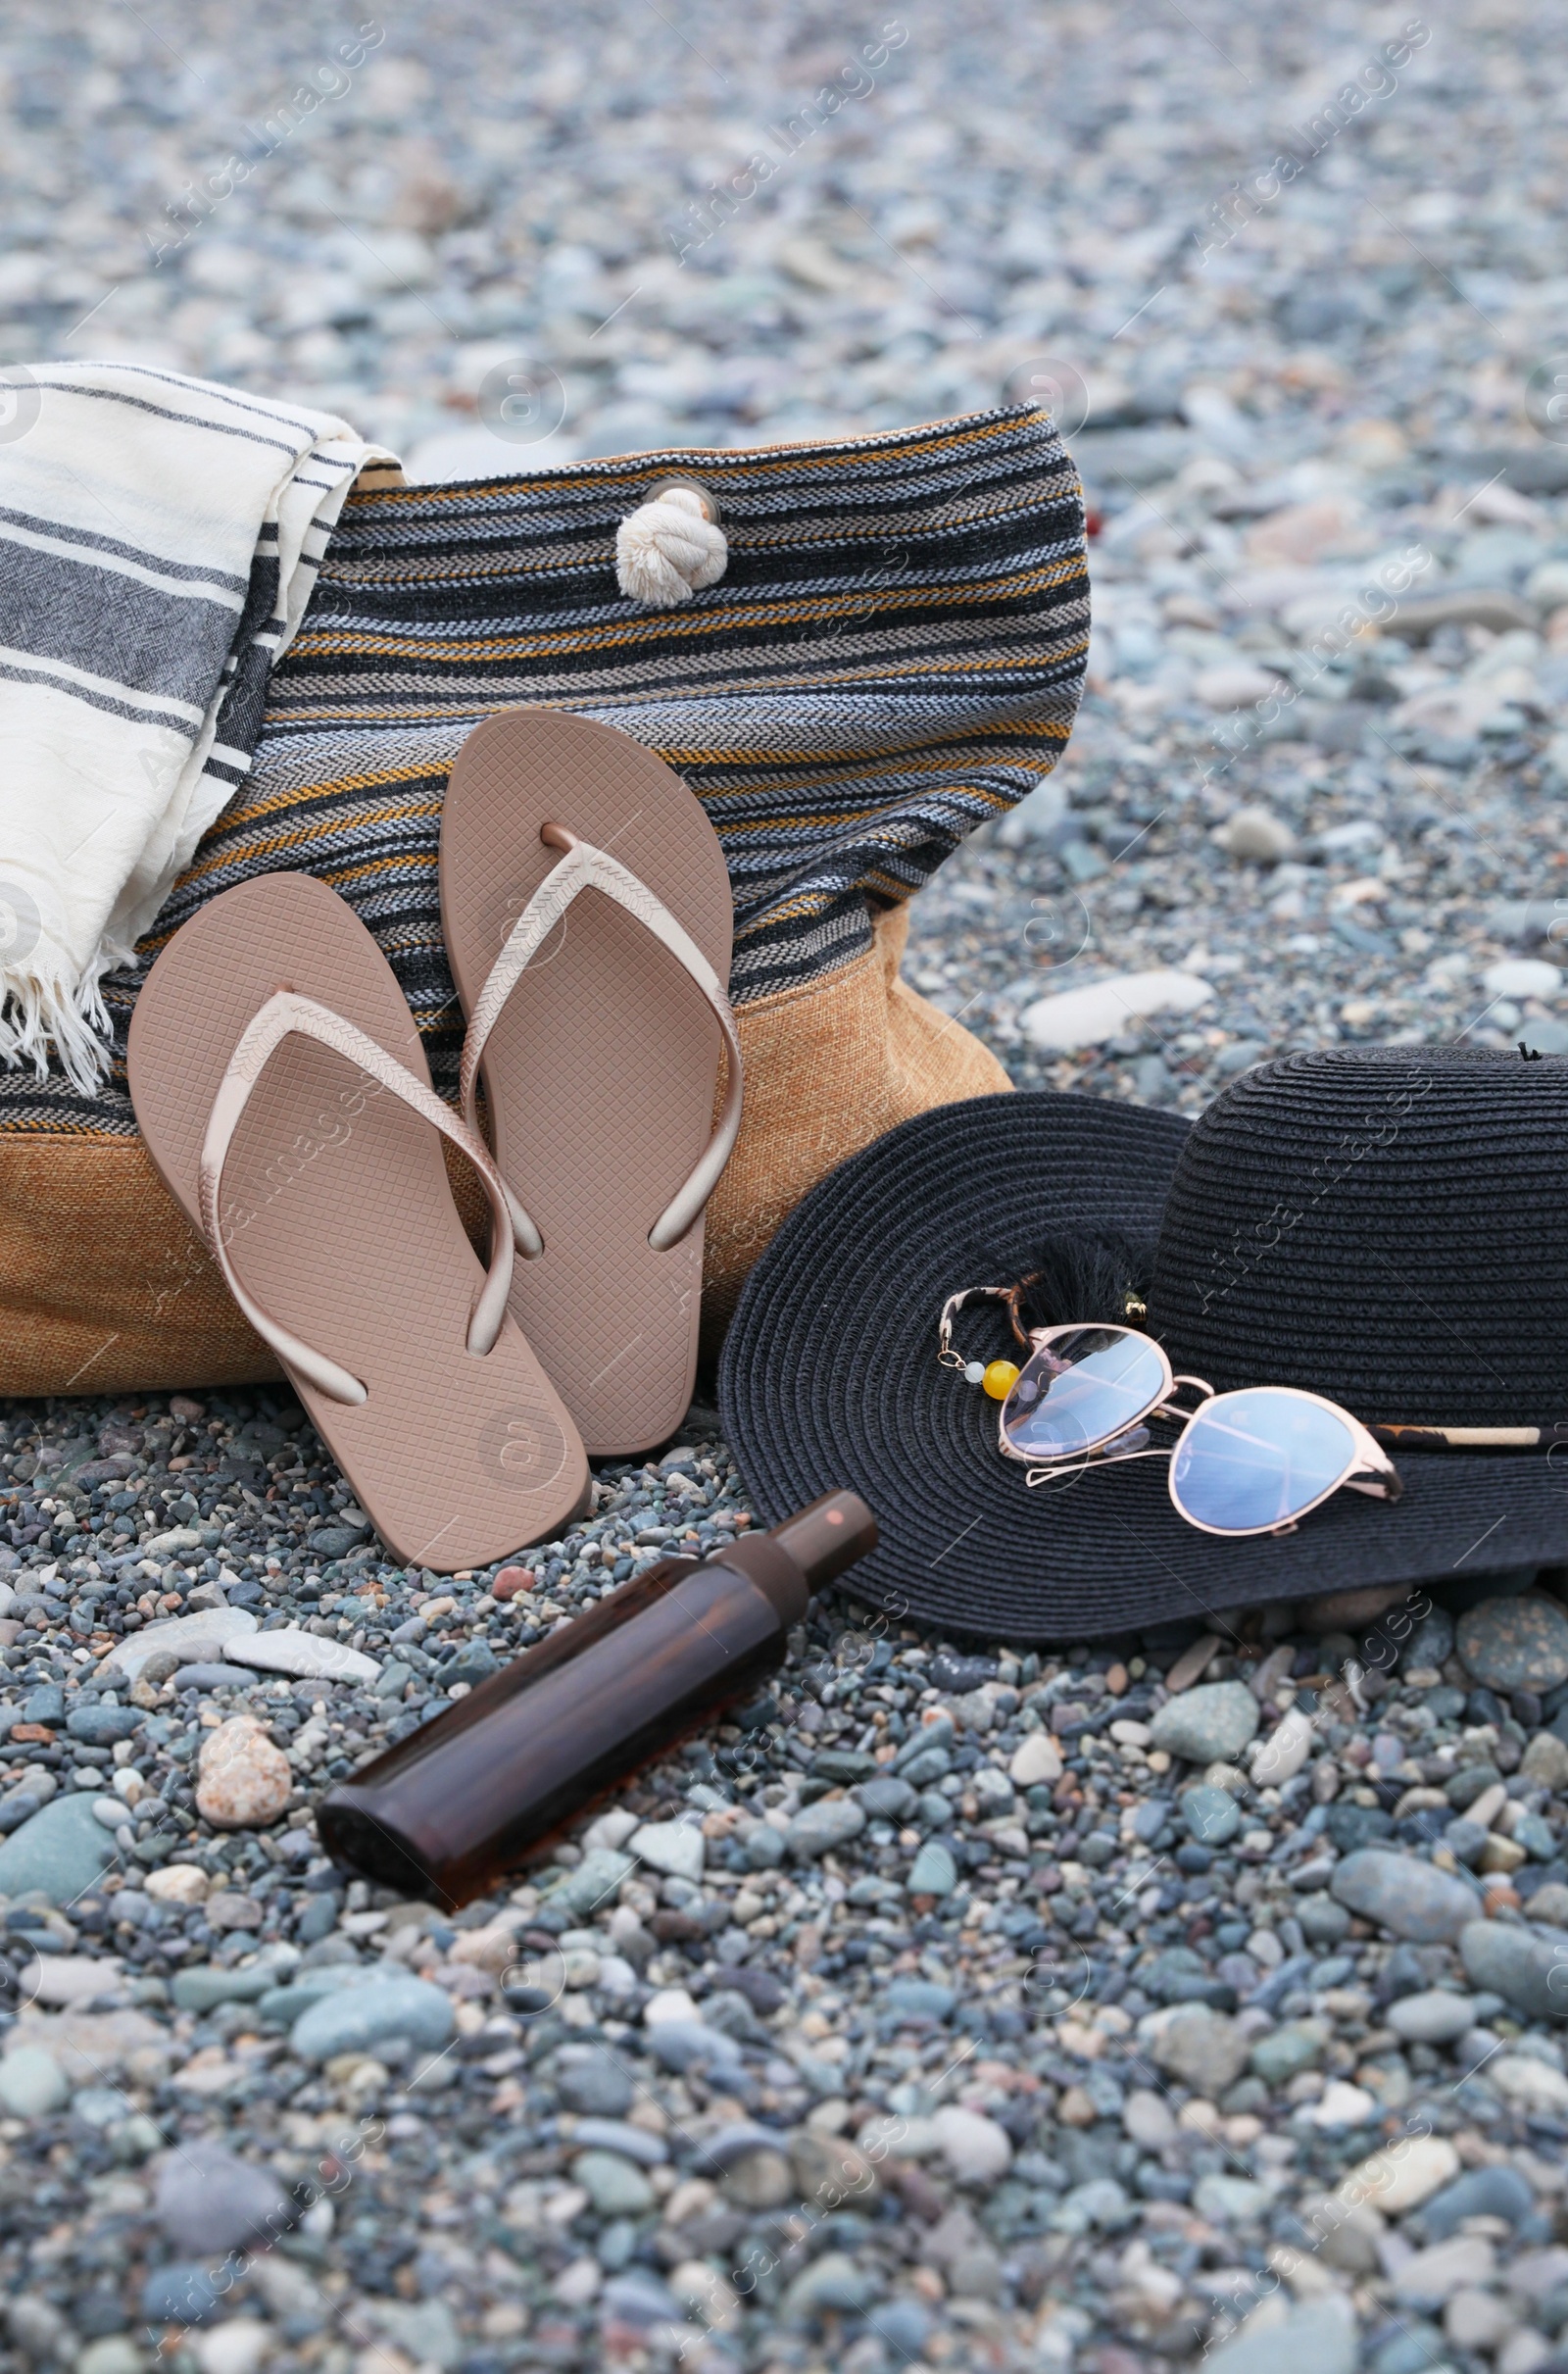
(1197, 1995)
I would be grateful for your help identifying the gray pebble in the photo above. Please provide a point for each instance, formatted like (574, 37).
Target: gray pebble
(834, 2282)
(32, 2084)
(594, 1882)
(616, 2185)
(933, 1871)
(208, 2201)
(1515, 1644)
(886, 1799)
(921, 1996)
(1400, 1892)
(759, 2179)
(686, 2043)
(594, 2082)
(1528, 1968)
(184, 2292)
(100, 1726)
(1315, 2337)
(832, 1821)
(1287, 2051)
(1207, 1725)
(1429, 1643)
(614, 2134)
(1499, 2192)
(60, 1850)
(1436, 2017)
(1212, 1815)
(1323, 1921)
(1202, 2048)
(361, 2017)
(199, 1990)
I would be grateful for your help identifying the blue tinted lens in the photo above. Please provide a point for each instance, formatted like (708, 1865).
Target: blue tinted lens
(1086, 1389)
(1258, 1459)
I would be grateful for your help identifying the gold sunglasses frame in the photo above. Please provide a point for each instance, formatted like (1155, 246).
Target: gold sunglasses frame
(1369, 1469)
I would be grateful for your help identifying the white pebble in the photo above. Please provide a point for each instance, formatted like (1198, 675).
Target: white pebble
(1257, 833)
(178, 1884)
(1035, 1761)
(1087, 1017)
(677, 1847)
(238, 2347)
(974, 2146)
(1234, 684)
(215, 1628)
(1343, 2106)
(1523, 978)
(291, 1649)
(668, 2003)
(1285, 1751)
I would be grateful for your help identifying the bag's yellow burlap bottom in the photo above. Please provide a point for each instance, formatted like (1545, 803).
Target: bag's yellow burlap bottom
(105, 1288)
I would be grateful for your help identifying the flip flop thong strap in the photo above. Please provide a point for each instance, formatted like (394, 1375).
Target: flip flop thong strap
(584, 866)
(286, 1012)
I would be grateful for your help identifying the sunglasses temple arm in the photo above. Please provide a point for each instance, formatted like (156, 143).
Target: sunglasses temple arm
(1378, 1475)
(1384, 1482)
(1389, 1487)
(1112, 1459)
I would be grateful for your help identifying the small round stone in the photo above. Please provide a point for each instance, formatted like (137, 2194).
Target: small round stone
(32, 2084)
(1212, 1815)
(1433, 2017)
(1515, 1644)
(974, 1372)
(999, 1378)
(933, 1871)
(1211, 1723)
(356, 2018)
(178, 1884)
(245, 1781)
(210, 2200)
(975, 2147)
(616, 2186)
(758, 2180)
(1413, 1898)
(511, 1580)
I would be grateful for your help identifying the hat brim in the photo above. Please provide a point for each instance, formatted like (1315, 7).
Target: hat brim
(831, 1377)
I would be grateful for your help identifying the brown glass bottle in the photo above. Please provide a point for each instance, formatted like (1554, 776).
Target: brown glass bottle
(456, 1805)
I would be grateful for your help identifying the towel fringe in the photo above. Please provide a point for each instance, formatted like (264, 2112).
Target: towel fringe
(42, 1013)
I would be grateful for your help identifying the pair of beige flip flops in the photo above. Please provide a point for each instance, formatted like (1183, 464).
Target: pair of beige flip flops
(282, 1092)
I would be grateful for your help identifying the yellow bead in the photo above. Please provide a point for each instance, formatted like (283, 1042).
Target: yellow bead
(1000, 1379)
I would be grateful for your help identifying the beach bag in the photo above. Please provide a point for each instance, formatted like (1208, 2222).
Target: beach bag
(892, 656)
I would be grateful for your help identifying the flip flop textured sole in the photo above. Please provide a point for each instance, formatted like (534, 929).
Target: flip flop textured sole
(339, 1217)
(602, 1072)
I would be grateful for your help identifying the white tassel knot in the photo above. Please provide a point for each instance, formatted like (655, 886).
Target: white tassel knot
(668, 547)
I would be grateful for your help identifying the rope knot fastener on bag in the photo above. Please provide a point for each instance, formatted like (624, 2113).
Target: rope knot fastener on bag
(670, 545)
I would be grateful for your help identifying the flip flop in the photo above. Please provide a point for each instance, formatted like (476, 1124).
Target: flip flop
(586, 909)
(282, 1090)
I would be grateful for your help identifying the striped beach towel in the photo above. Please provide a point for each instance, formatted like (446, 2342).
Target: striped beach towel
(159, 542)
(893, 656)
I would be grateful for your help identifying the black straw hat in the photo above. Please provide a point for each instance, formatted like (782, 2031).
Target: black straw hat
(1382, 1227)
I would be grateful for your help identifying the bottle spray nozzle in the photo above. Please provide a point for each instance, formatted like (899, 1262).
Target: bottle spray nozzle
(827, 1536)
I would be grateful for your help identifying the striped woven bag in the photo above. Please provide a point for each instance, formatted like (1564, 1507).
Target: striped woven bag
(893, 654)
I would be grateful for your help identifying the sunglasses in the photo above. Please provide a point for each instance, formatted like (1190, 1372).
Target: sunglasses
(1257, 1460)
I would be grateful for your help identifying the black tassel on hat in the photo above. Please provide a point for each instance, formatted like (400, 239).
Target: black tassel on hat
(1098, 1274)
